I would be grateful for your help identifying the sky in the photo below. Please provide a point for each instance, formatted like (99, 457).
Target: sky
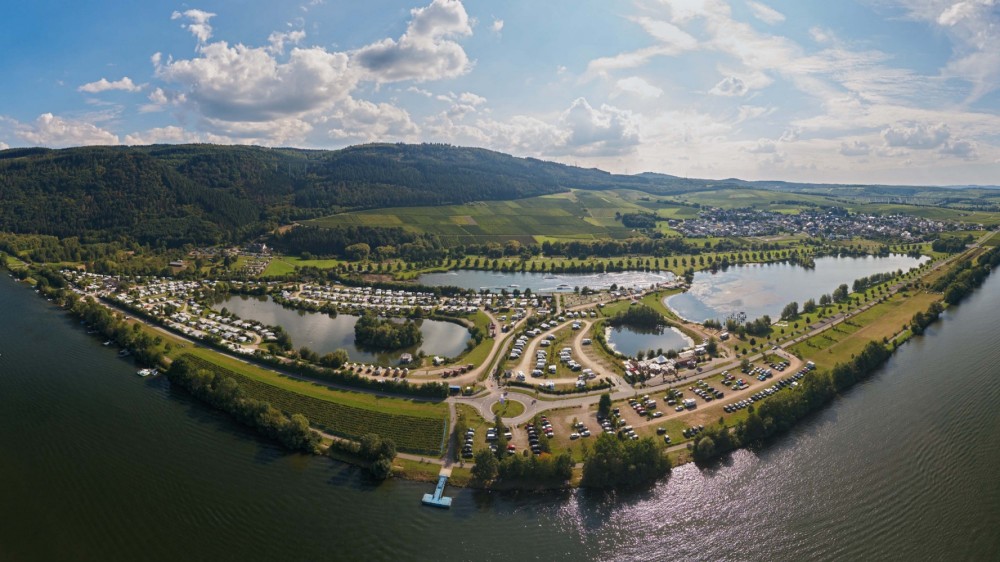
(853, 91)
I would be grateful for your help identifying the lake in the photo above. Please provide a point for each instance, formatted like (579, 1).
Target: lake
(542, 282)
(759, 289)
(101, 465)
(630, 341)
(323, 334)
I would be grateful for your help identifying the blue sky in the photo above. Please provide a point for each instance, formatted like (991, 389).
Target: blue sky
(868, 91)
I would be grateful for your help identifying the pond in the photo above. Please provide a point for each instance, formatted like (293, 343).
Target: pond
(759, 289)
(542, 282)
(630, 341)
(323, 334)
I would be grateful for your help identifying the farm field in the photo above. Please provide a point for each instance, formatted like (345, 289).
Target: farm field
(574, 215)
(765, 200)
(418, 429)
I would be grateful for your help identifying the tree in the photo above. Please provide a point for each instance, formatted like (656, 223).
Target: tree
(840, 293)
(604, 405)
(334, 359)
(809, 306)
(790, 311)
(379, 453)
(712, 347)
(357, 252)
(487, 466)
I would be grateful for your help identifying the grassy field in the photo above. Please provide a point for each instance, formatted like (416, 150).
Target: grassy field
(882, 321)
(578, 215)
(781, 202)
(509, 409)
(346, 414)
(283, 265)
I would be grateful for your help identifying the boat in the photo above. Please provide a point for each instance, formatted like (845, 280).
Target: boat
(124, 353)
(514, 285)
(144, 372)
(564, 285)
(107, 343)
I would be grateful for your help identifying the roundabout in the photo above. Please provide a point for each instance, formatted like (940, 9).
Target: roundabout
(509, 408)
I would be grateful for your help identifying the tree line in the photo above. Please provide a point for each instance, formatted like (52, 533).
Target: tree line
(225, 394)
(780, 412)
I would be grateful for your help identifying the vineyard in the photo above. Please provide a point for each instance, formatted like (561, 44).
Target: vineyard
(418, 435)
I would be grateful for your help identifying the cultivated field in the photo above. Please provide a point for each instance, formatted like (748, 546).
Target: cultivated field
(415, 428)
(575, 215)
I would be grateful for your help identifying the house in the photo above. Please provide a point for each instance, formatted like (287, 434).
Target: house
(405, 358)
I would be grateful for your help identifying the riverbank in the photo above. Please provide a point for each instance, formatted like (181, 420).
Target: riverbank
(418, 473)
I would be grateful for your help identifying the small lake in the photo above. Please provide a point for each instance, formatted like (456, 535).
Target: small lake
(542, 282)
(323, 334)
(630, 341)
(759, 289)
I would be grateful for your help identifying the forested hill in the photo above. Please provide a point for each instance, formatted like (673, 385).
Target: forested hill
(203, 194)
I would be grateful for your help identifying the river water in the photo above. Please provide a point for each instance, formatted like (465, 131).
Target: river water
(98, 464)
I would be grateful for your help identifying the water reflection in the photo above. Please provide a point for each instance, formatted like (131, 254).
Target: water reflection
(323, 333)
(759, 289)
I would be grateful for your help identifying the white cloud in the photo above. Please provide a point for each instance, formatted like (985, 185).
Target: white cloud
(973, 26)
(174, 134)
(855, 148)
(270, 132)
(821, 35)
(918, 136)
(4, 146)
(668, 34)
(311, 4)
(365, 121)
(421, 91)
(749, 112)
(198, 26)
(104, 85)
(471, 99)
(497, 25)
(766, 13)
(790, 135)
(241, 83)
(730, 86)
(964, 149)
(53, 131)
(636, 86)
(672, 41)
(600, 132)
(520, 134)
(278, 40)
(763, 146)
(425, 52)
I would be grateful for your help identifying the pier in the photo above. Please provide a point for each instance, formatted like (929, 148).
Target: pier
(437, 499)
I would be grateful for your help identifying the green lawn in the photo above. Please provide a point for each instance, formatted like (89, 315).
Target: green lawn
(283, 265)
(509, 409)
(848, 338)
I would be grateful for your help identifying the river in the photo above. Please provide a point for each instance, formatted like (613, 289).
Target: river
(98, 464)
